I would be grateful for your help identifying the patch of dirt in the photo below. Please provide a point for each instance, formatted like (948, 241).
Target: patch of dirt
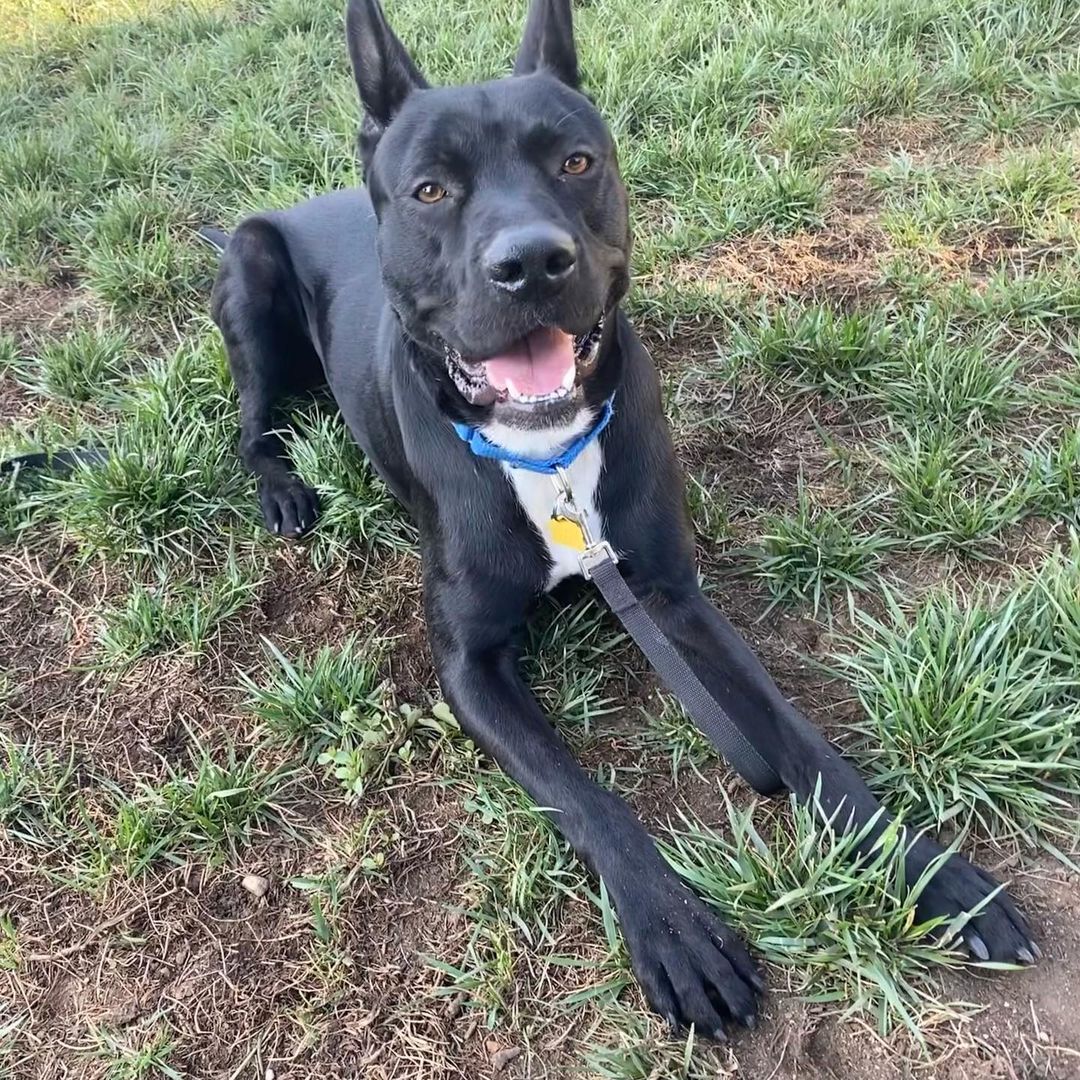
(842, 262)
(29, 311)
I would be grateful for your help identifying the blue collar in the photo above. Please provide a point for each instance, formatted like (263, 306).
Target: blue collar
(482, 446)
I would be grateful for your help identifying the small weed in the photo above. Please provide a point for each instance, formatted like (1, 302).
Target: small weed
(371, 742)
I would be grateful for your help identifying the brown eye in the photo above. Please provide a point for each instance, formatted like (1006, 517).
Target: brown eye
(430, 193)
(576, 164)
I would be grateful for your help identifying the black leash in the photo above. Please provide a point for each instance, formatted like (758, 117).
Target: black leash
(598, 564)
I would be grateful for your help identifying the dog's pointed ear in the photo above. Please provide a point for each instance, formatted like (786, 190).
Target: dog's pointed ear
(548, 43)
(384, 71)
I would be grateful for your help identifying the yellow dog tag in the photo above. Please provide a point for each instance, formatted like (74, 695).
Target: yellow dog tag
(566, 532)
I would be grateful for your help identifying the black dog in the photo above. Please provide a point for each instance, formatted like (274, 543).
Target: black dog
(465, 308)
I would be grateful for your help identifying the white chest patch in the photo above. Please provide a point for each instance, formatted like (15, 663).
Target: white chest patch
(536, 492)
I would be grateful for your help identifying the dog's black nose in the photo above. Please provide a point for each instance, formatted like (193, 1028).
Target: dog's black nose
(531, 260)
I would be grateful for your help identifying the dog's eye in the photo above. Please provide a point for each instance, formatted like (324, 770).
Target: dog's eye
(576, 164)
(430, 193)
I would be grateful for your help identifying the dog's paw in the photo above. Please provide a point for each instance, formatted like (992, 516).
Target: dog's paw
(692, 968)
(998, 932)
(289, 507)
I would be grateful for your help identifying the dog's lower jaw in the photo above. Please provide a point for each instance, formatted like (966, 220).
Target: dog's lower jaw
(553, 409)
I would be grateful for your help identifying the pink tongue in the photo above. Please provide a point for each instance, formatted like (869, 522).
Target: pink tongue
(536, 364)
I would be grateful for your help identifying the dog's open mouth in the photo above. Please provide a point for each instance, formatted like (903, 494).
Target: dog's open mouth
(541, 369)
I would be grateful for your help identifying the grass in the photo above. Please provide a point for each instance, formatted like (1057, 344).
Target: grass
(316, 701)
(855, 231)
(809, 555)
(971, 706)
(170, 615)
(799, 897)
(79, 367)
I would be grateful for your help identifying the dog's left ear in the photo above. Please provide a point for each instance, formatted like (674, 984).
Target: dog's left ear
(384, 71)
(548, 43)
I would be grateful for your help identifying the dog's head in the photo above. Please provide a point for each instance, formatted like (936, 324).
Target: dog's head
(503, 232)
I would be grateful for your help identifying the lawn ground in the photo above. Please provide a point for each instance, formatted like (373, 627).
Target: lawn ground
(239, 834)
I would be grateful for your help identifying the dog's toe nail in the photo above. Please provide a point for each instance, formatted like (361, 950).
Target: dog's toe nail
(978, 947)
(719, 1035)
(1025, 956)
(750, 1021)
(673, 1024)
(1035, 949)
(757, 982)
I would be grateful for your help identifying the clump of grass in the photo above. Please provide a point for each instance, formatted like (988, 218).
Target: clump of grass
(173, 615)
(632, 1047)
(844, 926)
(167, 476)
(1032, 191)
(140, 260)
(36, 793)
(1054, 464)
(520, 873)
(84, 366)
(215, 805)
(318, 700)
(930, 378)
(816, 348)
(971, 708)
(812, 554)
(952, 492)
(9, 353)
(124, 1058)
(31, 221)
(357, 510)
(671, 731)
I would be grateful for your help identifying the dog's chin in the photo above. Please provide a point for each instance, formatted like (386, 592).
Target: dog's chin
(536, 382)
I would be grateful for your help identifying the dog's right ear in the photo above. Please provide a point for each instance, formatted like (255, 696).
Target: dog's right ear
(384, 71)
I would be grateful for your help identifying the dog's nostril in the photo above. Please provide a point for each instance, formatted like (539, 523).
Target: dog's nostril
(506, 271)
(560, 262)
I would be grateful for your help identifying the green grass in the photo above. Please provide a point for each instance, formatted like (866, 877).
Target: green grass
(813, 554)
(869, 457)
(213, 803)
(170, 615)
(845, 928)
(315, 700)
(357, 512)
(147, 1060)
(971, 706)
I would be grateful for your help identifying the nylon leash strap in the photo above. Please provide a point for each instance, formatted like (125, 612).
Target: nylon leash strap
(598, 564)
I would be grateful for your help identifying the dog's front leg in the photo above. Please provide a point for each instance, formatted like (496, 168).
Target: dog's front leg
(692, 968)
(804, 759)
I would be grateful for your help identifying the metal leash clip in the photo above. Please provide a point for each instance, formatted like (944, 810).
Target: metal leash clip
(567, 512)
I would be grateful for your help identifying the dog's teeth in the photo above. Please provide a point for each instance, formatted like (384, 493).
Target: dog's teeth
(568, 379)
